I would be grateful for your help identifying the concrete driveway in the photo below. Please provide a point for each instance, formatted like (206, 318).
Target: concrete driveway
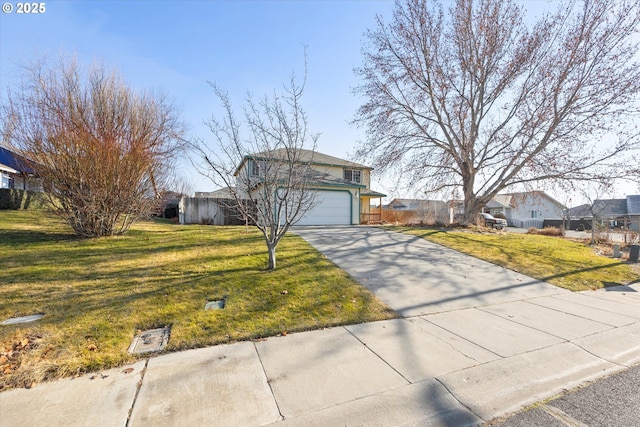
(416, 277)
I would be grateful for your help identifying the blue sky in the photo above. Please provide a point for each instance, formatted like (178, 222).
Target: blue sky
(177, 46)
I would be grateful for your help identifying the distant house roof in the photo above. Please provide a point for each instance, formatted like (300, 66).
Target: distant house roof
(582, 211)
(608, 208)
(509, 200)
(414, 204)
(14, 162)
(500, 201)
(221, 193)
(633, 204)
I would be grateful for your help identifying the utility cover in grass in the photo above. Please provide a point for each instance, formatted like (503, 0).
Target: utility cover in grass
(150, 341)
(215, 305)
(23, 319)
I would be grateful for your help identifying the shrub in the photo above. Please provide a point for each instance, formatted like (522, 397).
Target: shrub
(547, 231)
(20, 199)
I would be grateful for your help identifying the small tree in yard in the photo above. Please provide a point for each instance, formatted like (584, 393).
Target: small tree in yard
(101, 150)
(473, 97)
(268, 175)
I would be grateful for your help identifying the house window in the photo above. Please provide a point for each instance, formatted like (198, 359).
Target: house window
(353, 175)
(7, 181)
(534, 214)
(258, 168)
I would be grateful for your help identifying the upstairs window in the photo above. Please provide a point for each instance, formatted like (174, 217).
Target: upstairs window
(353, 175)
(258, 168)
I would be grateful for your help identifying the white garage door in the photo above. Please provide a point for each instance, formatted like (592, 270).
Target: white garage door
(332, 208)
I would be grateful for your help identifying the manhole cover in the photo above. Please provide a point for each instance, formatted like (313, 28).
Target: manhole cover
(23, 319)
(150, 341)
(215, 305)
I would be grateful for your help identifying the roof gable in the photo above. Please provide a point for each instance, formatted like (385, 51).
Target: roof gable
(512, 199)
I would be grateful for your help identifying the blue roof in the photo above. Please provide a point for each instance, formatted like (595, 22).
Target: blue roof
(15, 161)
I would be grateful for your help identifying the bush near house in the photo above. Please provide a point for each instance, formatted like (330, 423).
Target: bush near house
(21, 199)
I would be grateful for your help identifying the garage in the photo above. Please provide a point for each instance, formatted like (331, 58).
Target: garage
(332, 208)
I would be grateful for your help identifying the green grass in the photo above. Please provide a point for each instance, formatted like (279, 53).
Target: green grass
(96, 293)
(564, 263)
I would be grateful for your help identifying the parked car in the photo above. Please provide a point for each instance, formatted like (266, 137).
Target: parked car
(489, 220)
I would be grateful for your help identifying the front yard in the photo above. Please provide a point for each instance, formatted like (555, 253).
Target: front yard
(97, 293)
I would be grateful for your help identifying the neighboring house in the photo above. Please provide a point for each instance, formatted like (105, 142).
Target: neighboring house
(414, 204)
(16, 173)
(633, 211)
(527, 209)
(222, 193)
(343, 188)
(624, 213)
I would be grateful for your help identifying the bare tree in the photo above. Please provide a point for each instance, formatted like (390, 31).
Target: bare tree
(474, 98)
(101, 149)
(268, 175)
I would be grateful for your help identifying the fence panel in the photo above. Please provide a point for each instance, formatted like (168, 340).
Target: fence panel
(201, 210)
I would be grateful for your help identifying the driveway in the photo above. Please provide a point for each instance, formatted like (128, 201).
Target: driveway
(416, 277)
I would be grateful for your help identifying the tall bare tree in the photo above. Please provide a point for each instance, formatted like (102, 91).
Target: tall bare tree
(473, 97)
(267, 174)
(101, 149)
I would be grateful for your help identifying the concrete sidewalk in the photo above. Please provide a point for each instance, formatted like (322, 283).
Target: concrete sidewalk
(452, 366)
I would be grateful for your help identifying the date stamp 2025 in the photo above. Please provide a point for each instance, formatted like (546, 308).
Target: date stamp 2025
(24, 8)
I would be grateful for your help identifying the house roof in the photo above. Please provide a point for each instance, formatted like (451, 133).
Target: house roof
(310, 156)
(221, 193)
(500, 201)
(633, 204)
(508, 200)
(608, 208)
(414, 203)
(12, 160)
(371, 193)
(582, 211)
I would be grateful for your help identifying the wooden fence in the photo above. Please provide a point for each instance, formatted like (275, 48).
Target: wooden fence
(201, 210)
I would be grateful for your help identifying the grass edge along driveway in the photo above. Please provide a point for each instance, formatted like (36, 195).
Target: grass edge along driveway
(564, 263)
(96, 294)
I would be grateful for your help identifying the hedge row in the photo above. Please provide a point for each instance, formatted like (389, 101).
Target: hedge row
(21, 199)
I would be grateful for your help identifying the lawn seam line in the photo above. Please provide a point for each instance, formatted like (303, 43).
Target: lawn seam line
(138, 387)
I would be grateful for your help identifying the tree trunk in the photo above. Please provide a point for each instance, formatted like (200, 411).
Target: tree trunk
(272, 256)
(471, 208)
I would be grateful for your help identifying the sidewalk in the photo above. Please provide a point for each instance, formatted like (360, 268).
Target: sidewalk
(457, 368)
(488, 347)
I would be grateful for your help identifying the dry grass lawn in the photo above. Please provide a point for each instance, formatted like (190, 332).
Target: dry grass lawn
(97, 293)
(564, 263)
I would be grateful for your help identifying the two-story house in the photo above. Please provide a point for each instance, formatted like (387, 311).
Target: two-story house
(343, 188)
